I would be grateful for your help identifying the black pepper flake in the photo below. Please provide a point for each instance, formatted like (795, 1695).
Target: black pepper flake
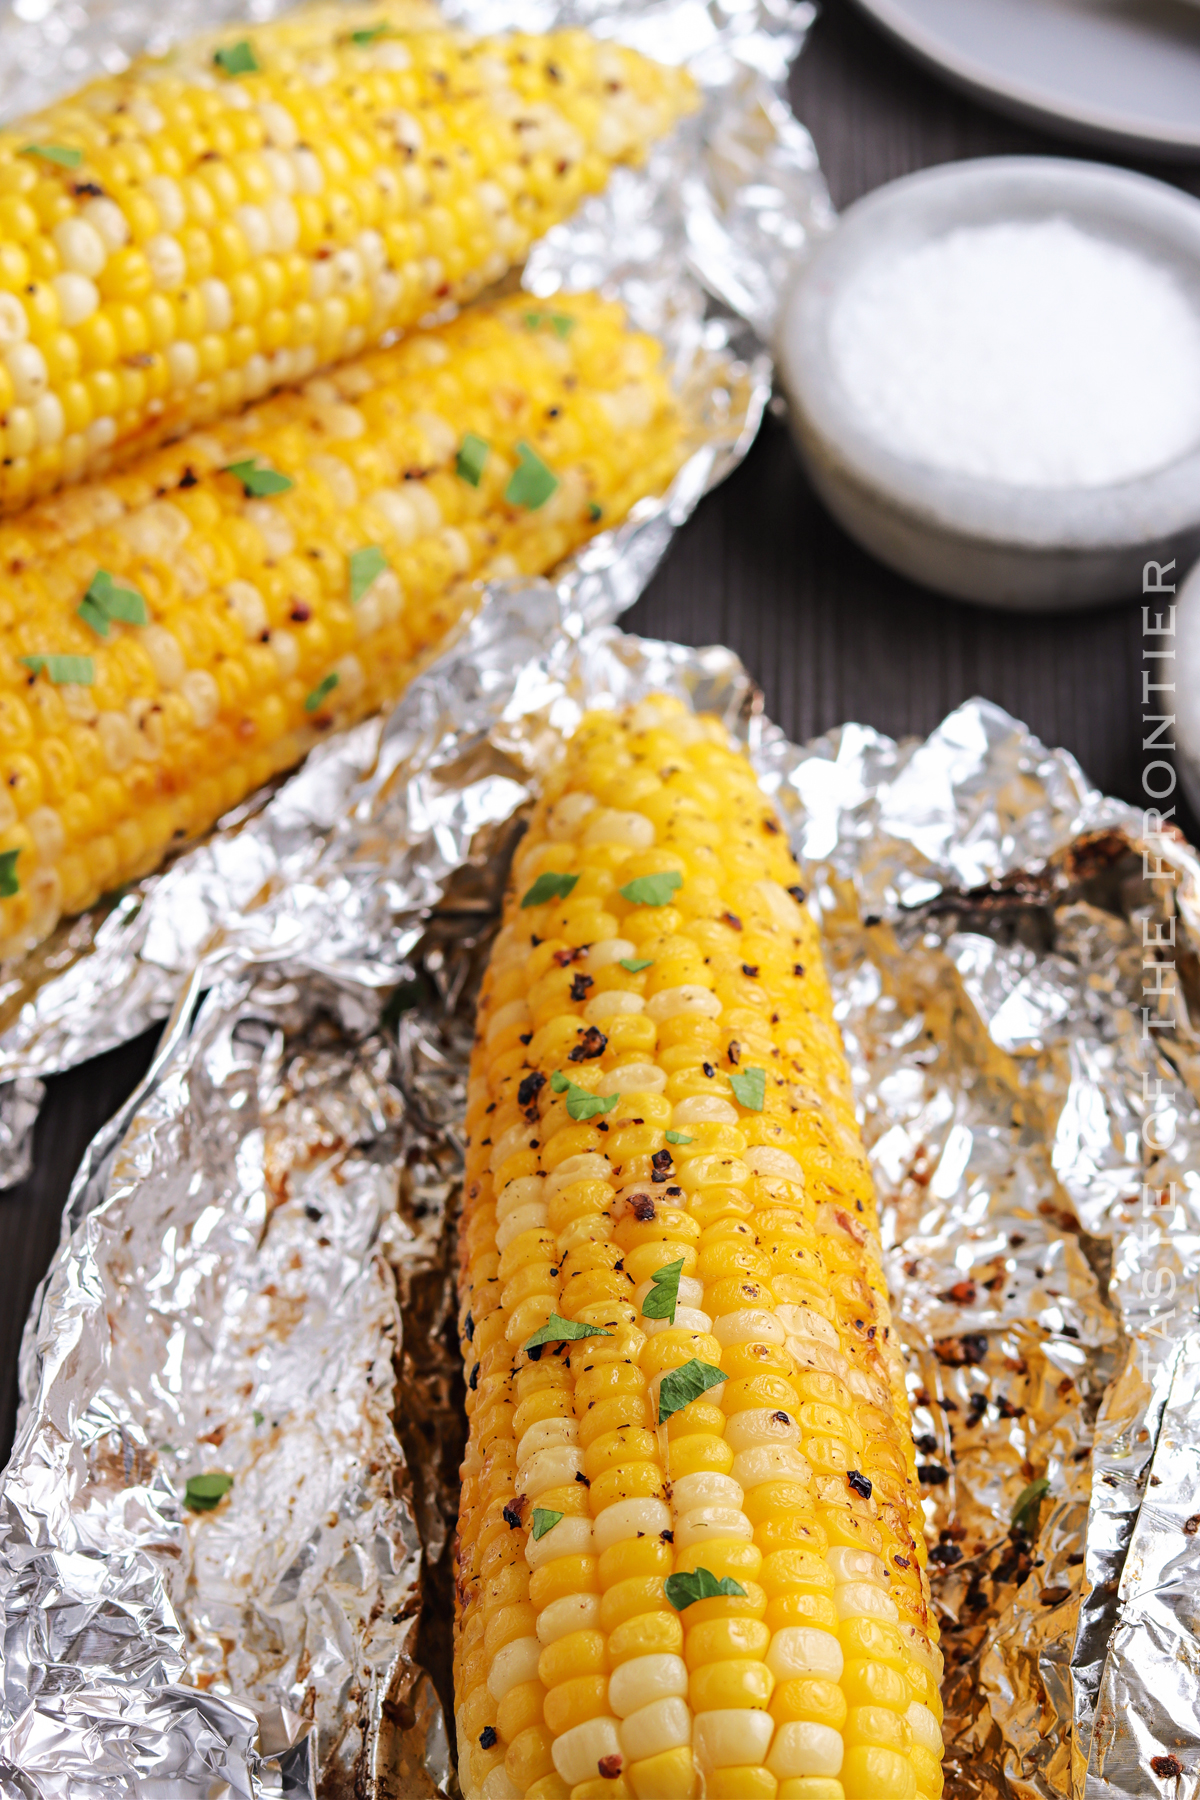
(673, 1193)
(189, 479)
(468, 1328)
(782, 1418)
(534, 939)
(530, 1088)
(901, 1562)
(582, 1478)
(661, 1164)
(488, 1737)
(667, 1537)
(526, 1037)
(859, 1483)
(708, 1070)
(750, 970)
(772, 826)
(473, 1381)
(732, 920)
(798, 895)
(580, 986)
(798, 971)
(734, 1052)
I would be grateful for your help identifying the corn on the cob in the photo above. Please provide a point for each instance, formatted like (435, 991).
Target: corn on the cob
(173, 637)
(186, 236)
(665, 1184)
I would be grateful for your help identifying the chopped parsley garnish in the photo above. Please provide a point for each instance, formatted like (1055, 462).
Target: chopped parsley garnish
(472, 455)
(550, 885)
(652, 890)
(80, 670)
(9, 885)
(581, 1104)
(365, 565)
(559, 1330)
(663, 1298)
(370, 33)
(531, 482)
(594, 512)
(258, 482)
(204, 1492)
(105, 601)
(750, 1088)
(700, 1584)
(62, 154)
(321, 690)
(678, 1137)
(237, 59)
(560, 323)
(681, 1386)
(543, 1521)
(635, 964)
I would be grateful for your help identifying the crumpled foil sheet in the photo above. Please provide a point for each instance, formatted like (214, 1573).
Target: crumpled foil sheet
(255, 1278)
(723, 209)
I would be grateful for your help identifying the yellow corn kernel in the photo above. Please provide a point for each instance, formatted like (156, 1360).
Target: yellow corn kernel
(814, 1678)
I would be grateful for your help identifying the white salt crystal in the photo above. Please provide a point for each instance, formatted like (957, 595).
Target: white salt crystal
(1030, 353)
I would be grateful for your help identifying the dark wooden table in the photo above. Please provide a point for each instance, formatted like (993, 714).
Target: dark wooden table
(831, 634)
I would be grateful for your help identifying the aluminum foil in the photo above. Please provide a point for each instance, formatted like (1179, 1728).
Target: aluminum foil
(699, 244)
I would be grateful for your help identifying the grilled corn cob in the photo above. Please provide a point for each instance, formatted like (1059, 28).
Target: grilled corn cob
(690, 1557)
(184, 237)
(173, 637)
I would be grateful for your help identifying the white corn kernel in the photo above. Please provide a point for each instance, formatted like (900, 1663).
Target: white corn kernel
(217, 302)
(663, 1725)
(118, 740)
(856, 1565)
(753, 1325)
(78, 298)
(81, 247)
(705, 1489)
(523, 1218)
(550, 1469)
(633, 1078)
(572, 1536)
(281, 129)
(565, 817)
(758, 1425)
(168, 264)
(255, 227)
(163, 650)
(283, 224)
(803, 1748)
(579, 1752)
(203, 696)
(770, 1462)
(574, 1612)
(272, 526)
(711, 1524)
(704, 1109)
(107, 219)
(545, 1434)
(630, 830)
(498, 1785)
(926, 1732)
(514, 1663)
(862, 1600)
(27, 366)
(611, 1005)
(645, 1678)
(248, 606)
(169, 203)
(286, 652)
(49, 420)
(803, 1650)
(600, 956)
(689, 998)
(629, 1519)
(732, 1737)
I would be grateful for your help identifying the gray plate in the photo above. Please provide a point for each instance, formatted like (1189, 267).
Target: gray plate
(1125, 73)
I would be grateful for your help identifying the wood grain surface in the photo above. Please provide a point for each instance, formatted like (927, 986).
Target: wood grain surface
(829, 633)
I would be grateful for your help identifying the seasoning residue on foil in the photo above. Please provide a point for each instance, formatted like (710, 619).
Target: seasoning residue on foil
(256, 1281)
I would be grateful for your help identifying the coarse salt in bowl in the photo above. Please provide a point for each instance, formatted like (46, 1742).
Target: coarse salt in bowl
(994, 371)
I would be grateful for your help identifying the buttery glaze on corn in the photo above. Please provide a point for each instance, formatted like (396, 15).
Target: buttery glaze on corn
(212, 236)
(576, 1679)
(254, 647)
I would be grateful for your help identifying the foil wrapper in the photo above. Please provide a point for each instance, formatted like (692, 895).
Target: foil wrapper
(254, 1280)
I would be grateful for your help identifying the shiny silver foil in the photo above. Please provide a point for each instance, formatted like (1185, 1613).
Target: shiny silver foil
(255, 1279)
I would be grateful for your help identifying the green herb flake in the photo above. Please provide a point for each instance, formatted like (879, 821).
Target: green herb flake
(1028, 1501)
(663, 1298)
(105, 601)
(204, 1492)
(472, 455)
(531, 482)
(543, 1521)
(365, 565)
(550, 885)
(562, 324)
(80, 670)
(258, 1418)
(635, 964)
(321, 690)
(678, 1137)
(652, 890)
(700, 1584)
(581, 1104)
(62, 154)
(9, 885)
(237, 59)
(258, 482)
(370, 34)
(681, 1386)
(750, 1088)
(558, 1330)
(594, 512)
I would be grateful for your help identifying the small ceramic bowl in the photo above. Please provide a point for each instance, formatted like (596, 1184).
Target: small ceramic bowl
(1031, 548)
